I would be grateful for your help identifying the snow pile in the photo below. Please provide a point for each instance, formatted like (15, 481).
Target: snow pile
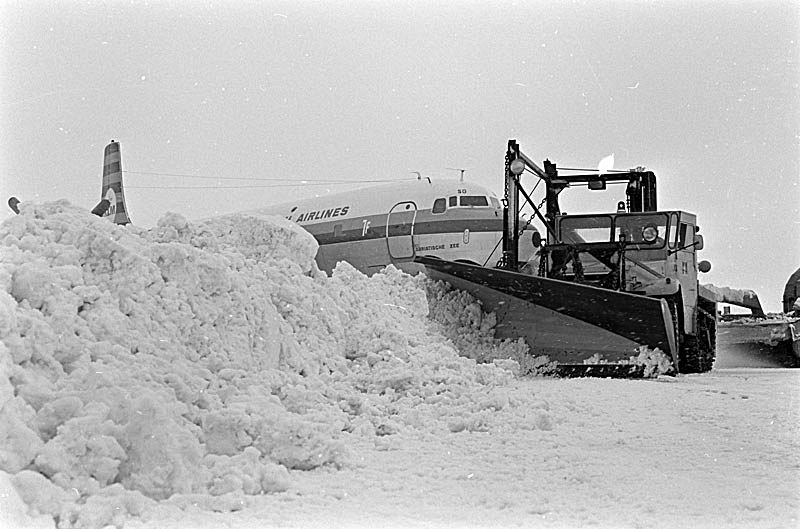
(731, 294)
(460, 317)
(200, 364)
(654, 361)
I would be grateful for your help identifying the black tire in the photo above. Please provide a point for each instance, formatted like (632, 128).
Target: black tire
(676, 331)
(698, 352)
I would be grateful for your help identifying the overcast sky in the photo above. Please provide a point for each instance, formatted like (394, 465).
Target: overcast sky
(706, 94)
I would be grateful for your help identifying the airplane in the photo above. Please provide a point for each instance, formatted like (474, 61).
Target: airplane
(375, 226)
(379, 225)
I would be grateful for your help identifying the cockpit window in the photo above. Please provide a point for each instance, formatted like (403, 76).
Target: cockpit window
(439, 205)
(474, 200)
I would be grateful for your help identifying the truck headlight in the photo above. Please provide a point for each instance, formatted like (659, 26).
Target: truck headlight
(649, 233)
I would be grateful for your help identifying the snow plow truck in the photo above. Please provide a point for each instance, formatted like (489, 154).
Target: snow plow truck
(604, 284)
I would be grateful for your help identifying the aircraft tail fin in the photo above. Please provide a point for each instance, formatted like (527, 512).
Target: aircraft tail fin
(112, 198)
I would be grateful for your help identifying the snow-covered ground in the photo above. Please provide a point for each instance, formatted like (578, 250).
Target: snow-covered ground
(207, 375)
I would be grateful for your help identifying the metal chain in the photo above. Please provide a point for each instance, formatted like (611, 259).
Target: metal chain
(577, 267)
(543, 262)
(505, 179)
(530, 219)
(525, 227)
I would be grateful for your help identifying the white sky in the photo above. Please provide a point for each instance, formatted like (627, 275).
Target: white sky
(707, 95)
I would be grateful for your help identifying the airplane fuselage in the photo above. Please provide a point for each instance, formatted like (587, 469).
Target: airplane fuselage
(392, 223)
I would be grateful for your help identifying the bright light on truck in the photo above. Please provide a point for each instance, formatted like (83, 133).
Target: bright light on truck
(649, 233)
(517, 166)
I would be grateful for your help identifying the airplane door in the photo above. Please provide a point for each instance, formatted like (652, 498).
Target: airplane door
(400, 230)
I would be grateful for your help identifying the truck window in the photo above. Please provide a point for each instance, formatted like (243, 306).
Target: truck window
(673, 230)
(633, 227)
(439, 206)
(453, 202)
(683, 232)
(585, 229)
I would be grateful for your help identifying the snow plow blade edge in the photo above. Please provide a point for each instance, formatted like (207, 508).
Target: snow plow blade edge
(569, 322)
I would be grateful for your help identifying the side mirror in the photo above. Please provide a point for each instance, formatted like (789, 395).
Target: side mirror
(698, 242)
(704, 266)
(536, 239)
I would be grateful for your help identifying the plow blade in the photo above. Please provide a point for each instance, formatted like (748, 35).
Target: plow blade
(600, 370)
(569, 322)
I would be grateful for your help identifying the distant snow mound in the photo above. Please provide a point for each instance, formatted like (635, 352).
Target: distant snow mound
(209, 360)
(253, 236)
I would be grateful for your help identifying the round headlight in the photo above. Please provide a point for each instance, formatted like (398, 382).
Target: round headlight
(649, 233)
(517, 166)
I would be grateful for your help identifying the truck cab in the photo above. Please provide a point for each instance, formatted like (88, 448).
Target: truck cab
(636, 249)
(651, 253)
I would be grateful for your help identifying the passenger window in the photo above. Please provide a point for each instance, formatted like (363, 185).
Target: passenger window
(337, 230)
(495, 203)
(453, 202)
(439, 206)
(474, 201)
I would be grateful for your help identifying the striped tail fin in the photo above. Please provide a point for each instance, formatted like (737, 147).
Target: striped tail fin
(112, 203)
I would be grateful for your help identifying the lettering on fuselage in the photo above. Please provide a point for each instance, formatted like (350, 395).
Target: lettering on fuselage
(323, 214)
(429, 248)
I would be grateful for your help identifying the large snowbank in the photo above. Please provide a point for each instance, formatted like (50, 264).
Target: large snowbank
(201, 363)
(207, 375)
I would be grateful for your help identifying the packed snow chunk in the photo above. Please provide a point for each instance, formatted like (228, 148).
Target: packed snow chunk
(162, 455)
(19, 443)
(85, 453)
(15, 512)
(6, 366)
(40, 493)
(110, 507)
(8, 314)
(226, 432)
(245, 472)
(655, 362)
(298, 444)
(32, 282)
(475, 422)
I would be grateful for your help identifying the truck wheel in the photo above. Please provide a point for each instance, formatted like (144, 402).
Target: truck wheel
(698, 352)
(707, 333)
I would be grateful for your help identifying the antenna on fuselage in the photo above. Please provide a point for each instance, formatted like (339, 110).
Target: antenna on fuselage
(461, 170)
(419, 176)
